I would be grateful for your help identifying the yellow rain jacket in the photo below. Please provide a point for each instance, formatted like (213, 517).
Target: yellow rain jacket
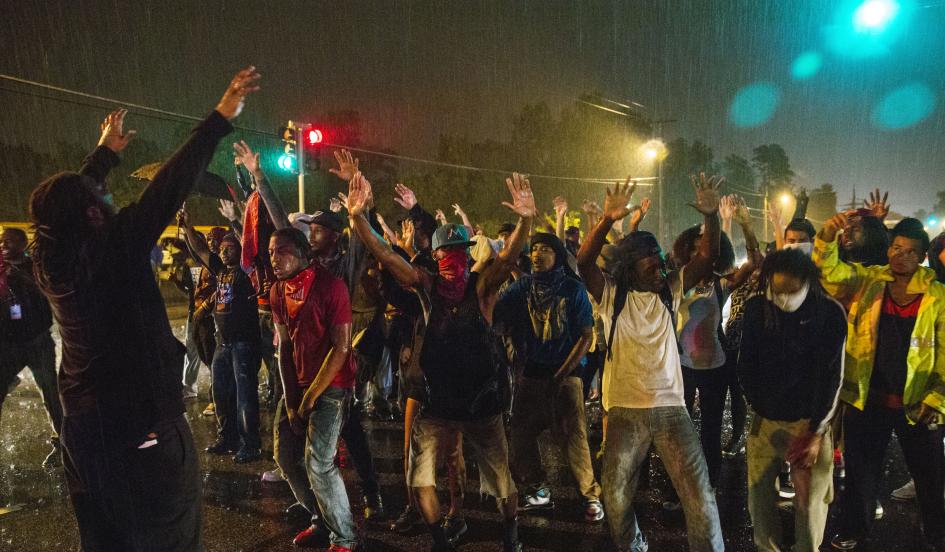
(863, 288)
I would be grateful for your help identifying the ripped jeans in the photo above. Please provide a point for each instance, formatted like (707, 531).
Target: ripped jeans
(630, 432)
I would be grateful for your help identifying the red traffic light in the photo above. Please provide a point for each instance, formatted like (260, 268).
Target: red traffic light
(314, 136)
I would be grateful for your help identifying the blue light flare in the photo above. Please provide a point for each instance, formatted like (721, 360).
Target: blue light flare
(806, 65)
(754, 105)
(904, 107)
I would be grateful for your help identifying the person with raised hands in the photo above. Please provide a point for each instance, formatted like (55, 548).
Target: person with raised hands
(642, 386)
(129, 455)
(459, 354)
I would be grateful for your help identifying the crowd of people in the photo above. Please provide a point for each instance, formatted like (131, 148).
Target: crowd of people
(822, 345)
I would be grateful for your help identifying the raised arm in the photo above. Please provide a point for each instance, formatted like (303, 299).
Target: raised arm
(149, 216)
(840, 279)
(250, 160)
(112, 142)
(561, 210)
(196, 245)
(777, 225)
(616, 203)
(359, 199)
(741, 215)
(523, 204)
(639, 214)
(707, 248)
(465, 218)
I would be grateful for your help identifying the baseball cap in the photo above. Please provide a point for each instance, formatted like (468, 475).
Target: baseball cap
(327, 219)
(451, 234)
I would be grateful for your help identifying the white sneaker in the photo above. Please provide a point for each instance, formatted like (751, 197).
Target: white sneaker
(593, 511)
(190, 392)
(906, 492)
(273, 476)
(879, 512)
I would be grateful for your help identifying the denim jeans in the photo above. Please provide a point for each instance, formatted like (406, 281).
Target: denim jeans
(321, 438)
(630, 432)
(235, 394)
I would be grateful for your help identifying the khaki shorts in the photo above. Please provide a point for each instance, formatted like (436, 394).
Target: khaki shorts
(431, 437)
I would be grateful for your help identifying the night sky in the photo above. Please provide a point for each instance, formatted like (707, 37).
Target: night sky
(415, 70)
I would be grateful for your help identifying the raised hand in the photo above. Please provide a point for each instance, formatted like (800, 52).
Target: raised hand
(617, 201)
(406, 235)
(877, 204)
(233, 100)
(741, 214)
(523, 200)
(334, 205)
(639, 213)
(113, 135)
(833, 226)
(183, 217)
(228, 209)
(561, 206)
(246, 156)
(774, 215)
(727, 207)
(440, 216)
(590, 207)
(405, 196)
(457, 210)
(347, 165)
(707, 193)
(359, 195)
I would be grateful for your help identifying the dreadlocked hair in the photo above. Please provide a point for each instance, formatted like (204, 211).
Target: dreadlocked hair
(62, 231)
(792, 262)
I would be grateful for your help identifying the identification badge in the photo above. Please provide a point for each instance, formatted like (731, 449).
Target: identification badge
(16, 312)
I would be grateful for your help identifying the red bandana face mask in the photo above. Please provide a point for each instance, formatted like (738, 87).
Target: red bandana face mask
(296, 291)
(454, 275)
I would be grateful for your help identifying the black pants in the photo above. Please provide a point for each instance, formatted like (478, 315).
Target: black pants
(866, 437)
(356, 441)
(739, 405)
(39, 355)
(131, 499)
(712, 386)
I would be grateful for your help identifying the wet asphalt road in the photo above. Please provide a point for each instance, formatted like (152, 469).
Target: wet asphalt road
(242, 513)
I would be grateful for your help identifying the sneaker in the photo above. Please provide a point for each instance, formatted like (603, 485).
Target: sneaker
(842, 543)
(54, 458)
(539, 499)
(671, 505)
(878, 513)
(273, 476)
(454, 527)
(190, 392)
(210, 410)
(247, 455)
(406, 521)
(593, 511)
(785, 486)
(906, 492)
(221, 447)
(311, 537)
(373, 507)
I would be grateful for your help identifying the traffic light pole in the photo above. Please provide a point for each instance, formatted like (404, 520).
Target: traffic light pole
(300, 163)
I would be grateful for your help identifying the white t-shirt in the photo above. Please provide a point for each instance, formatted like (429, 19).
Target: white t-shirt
(643, 370)
(697, 325)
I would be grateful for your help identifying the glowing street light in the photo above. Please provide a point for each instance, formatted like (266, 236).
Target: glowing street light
(654, 150)
(785, 199)
(873, 16)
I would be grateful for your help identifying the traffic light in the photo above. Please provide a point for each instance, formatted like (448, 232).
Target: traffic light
(314, 136)
(288, 160)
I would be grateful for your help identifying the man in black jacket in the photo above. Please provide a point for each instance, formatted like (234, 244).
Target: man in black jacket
(790, 366)
(128, 451)
(25, 321)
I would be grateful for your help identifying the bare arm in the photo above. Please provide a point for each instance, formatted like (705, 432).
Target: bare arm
(523, 204)
(194, 242)
(580, 349)
(465, 218)
(615, 208)
(359, 197)
(561, 211)
(743, 218)
(707, 249)
(340, 336)
(273, 204)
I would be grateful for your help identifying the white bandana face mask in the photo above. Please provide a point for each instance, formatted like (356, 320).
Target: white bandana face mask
(806, 247)
(788, 302)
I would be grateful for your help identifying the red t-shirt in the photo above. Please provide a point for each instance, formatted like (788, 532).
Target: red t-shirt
(309, 305)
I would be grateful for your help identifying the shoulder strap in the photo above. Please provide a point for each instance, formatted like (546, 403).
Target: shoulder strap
(620, 300)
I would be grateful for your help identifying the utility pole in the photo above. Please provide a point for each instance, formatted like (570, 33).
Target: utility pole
(300, 163)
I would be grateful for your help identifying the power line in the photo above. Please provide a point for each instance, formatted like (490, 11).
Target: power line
(645, 181)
